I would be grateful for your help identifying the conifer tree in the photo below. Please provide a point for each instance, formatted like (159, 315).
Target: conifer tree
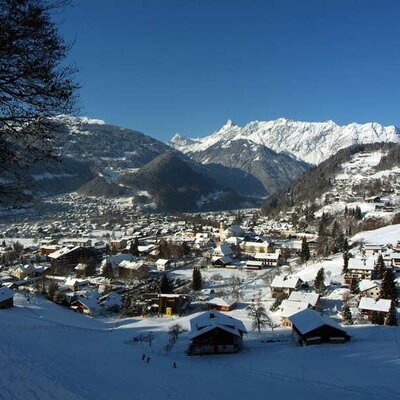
(354, 287)
(388, 286)
(319, 282)
(346, 315)
(345, 263)
(258, 315)
(165, 284)
(197, 282)
(391, 319)
(305, 250)
(380, 267)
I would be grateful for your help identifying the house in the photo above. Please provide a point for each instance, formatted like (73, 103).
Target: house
(254, 265)
(220, 304)
(163, 264)
(269, 260)
(81, 269)
(368, 306)
(289, 308)
(215, 333)
(370, 288)
(247, 247)
(24, 270)
(223, 250)
(170, 304)
(372, 249)
(311, 298)
(75, 284)
(310, 327)
(359, 268)
(221, 262)
(132, 270)
(111, 301)
(87, 304)
(6, 297)
(285, 285)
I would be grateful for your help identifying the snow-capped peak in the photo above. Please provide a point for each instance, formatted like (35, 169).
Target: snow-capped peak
(312, 142)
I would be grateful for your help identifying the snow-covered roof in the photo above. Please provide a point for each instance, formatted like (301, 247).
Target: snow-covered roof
(225, 259)
(6, 293)
(213, 319)
(267, 256)
(307, 320)
(290, 307)
(310, 298)
(162, 261)
(224, 249)
(286, 282)
(64, 250)
(366, 264)
(219, 301)
(134, 265)
(367, 284)
(368, 303)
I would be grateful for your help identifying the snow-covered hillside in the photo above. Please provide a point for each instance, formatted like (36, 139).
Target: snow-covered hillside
(311, 142)
(47, 352)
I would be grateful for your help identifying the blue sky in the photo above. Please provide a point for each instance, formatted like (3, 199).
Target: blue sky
(167, 66)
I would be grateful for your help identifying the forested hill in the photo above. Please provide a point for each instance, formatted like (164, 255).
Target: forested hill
(312, 183)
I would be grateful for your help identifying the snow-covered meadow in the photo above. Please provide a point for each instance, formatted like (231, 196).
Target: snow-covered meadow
(48, 352)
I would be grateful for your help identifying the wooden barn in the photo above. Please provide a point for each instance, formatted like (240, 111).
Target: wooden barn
(219, 304)
(6, 297)
(215, 333)
(310, 327)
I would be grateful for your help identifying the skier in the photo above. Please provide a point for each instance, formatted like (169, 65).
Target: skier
(174, 365)
(148, 360)
(143, 357)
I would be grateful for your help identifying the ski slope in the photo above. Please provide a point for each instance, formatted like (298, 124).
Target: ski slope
(48, 352)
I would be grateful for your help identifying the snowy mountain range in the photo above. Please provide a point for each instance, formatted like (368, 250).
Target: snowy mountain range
(311, 142)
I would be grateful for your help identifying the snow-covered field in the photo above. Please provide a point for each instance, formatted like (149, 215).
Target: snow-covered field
(47, 352)
(385, 235)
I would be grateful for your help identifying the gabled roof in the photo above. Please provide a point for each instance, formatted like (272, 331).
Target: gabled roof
(213, 319)
(286, 282)
(218, 301)
(365, 264)
(310, 298)
(369, 304)
(65, 250)
(267, 256)
(308, 320)
(367, 284)
(290, 307)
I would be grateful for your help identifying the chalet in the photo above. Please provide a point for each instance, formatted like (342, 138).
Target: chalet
(163, 264)
(131, 269)
(173, 303)
(6, 297)
(254, 265)
(75, 284)
(24, 270)
(215, 333)
(311, 298)
(289, 308)
(48, 249)
(369, 305)
(221, 262)
(359, 268)
(220, 304)
(370, 288)
(269, 260)
(87, 304)
(111, 301)
(78, 242)
(395, 261)
(373, 199)
(310, 327)
(223, 250)
(372, 249)
(285, 285)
